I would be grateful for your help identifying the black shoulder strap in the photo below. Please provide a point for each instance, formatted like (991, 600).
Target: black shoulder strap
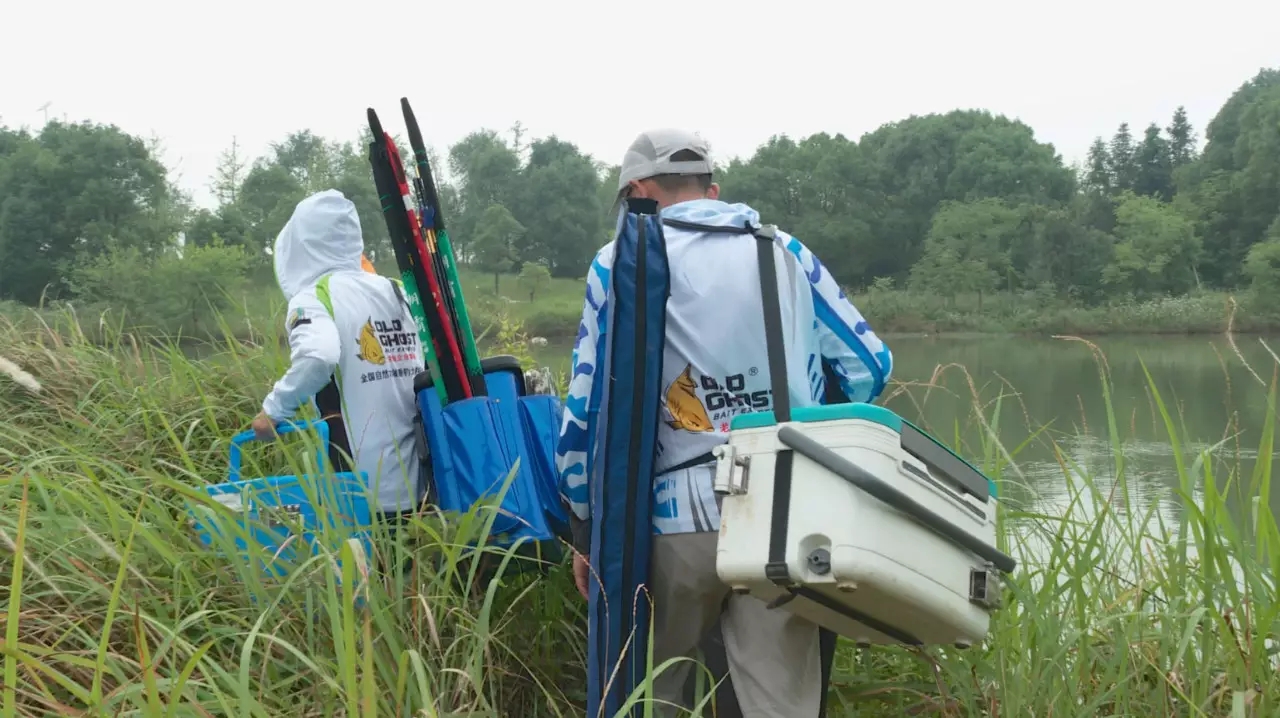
(766, 240)
(776, 569)
(765, 243)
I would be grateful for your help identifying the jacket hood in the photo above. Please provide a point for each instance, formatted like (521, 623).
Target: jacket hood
(713, 212)
(702, 211)
(322, 236)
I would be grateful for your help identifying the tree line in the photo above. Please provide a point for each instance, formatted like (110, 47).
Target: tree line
(962, 202)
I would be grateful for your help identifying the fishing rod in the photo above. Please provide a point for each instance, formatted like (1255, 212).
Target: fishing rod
(434, 330)
(437, 239)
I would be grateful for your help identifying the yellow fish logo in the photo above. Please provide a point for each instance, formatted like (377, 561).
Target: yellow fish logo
(686, 409)
(370, 347)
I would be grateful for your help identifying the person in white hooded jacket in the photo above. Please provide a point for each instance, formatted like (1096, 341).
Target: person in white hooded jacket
(354, 350)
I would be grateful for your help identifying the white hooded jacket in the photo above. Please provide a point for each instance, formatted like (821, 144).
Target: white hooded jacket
(348, 324)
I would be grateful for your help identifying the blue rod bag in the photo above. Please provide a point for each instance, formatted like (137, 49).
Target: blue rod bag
(621, 461)
(472, 444)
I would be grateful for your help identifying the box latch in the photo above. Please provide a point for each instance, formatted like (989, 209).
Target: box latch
(728, 481)
(984, 587)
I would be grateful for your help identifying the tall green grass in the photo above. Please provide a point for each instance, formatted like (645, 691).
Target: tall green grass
(111, 606)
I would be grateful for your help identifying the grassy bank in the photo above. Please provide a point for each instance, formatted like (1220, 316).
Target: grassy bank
(555, 310)
(111, 608)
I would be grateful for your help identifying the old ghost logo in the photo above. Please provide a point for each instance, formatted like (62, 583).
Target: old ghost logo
(296, 318)
(370, 347)
(383, 342)
(686, 409)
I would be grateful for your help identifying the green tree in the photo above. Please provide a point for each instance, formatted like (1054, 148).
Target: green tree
(267, 199)
(534, 279)
(226, 224)
(967, 249)
(1123, 169)
(309, 158)
(1153, 166)
(1233, 189)
(818, 190)
(299, 165)
(74, 192)
(1064, 250)
(353, 177)
(175, 292)
(1098, 178)
(912, 166)
(558, 204)
(229, 175)
(962, 201)
(1262, 267)
(607, 194)
(1156, 249)
(487, 171)
(1182, 139)
(495, 242)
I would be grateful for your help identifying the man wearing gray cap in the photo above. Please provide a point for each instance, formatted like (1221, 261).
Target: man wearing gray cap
(715, 366)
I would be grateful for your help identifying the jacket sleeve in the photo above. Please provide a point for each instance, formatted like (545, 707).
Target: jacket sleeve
(858, 358)
(582, 404)
(314, 351)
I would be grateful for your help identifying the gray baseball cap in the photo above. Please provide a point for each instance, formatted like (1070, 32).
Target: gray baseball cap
(650, 156)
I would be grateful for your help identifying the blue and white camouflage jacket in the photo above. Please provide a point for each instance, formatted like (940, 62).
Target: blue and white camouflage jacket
(715, 364)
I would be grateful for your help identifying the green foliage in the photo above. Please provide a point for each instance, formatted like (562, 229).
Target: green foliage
(1122, 167)
(1233, 191)
(486, 169)
(1153, 166)
(71, 193)
(967, 249)
(509, 337)
(121, 610)
(494, 246)
(534, 278)
(554, 197)
(956, 203)
(254, 204)
(1098, 177)
(559, 207)
(1156, 249)
(171, 292)
(1044, 308)
(1262, 267)
(1059, 248)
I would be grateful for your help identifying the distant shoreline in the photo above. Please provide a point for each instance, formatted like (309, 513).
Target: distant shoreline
(893, 313)
(909, 314)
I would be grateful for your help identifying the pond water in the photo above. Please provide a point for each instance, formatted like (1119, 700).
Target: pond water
(1052, 417)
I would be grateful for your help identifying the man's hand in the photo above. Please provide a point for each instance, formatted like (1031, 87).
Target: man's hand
(580, 573)
(264, 427)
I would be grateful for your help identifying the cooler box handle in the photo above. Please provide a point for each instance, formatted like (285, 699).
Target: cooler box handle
(810, 448)
(285, 427)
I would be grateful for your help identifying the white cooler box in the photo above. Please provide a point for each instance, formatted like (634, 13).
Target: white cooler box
(879, 532)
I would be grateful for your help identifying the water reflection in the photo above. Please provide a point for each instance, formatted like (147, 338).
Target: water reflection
(1044, 399)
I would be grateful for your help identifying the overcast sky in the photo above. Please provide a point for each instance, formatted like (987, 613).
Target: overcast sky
(596, 73)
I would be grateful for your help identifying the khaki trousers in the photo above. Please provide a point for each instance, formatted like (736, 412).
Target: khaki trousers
(773, 656)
